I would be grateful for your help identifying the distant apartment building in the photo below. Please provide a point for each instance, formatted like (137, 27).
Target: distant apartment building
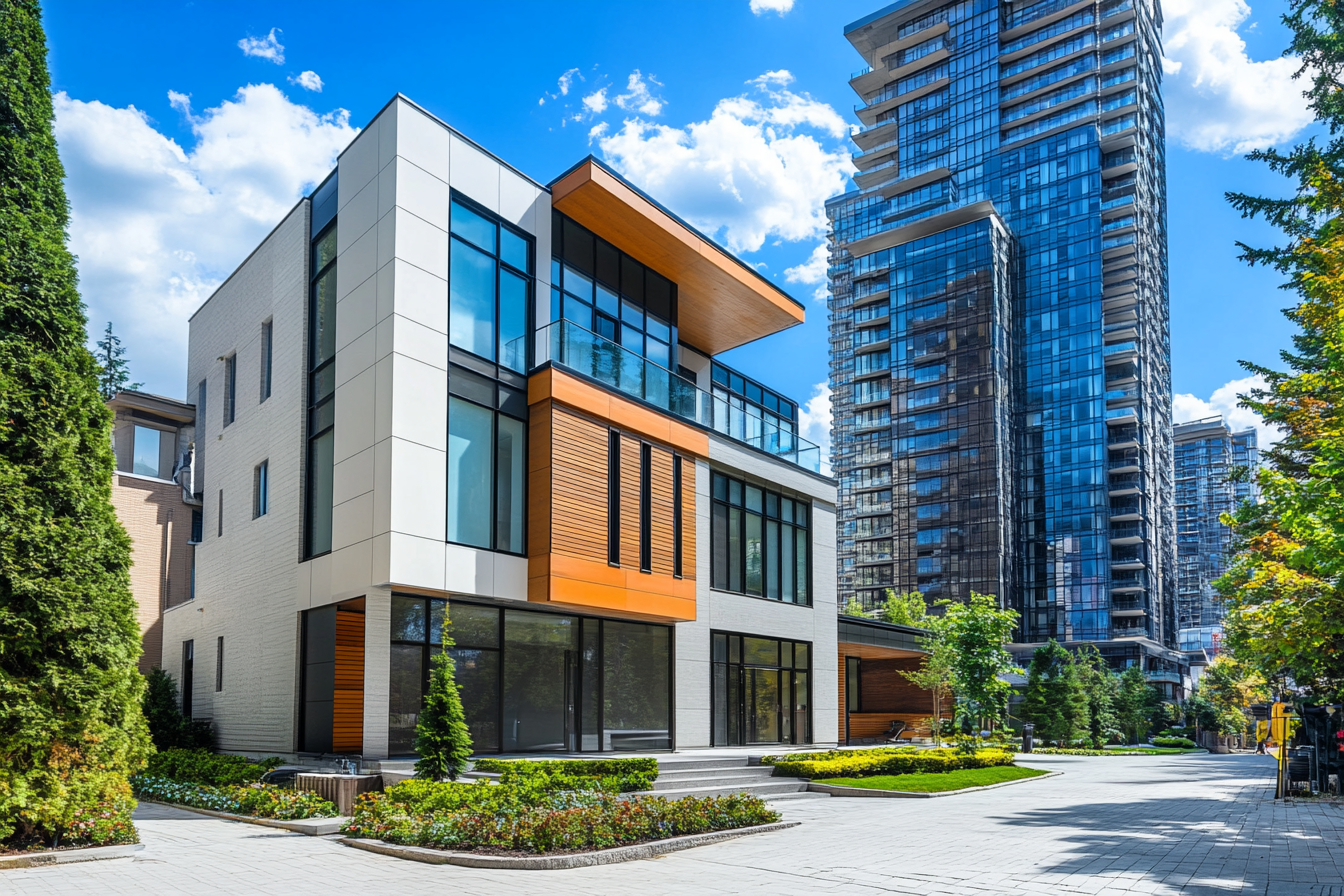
(151, 493)
(999, 320)
(1215, 469)
(443, 403)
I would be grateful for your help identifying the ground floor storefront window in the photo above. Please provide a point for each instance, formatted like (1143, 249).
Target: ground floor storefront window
(761, 690)
(534, 681)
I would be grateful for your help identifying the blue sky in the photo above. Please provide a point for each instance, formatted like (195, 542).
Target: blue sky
(188, 129)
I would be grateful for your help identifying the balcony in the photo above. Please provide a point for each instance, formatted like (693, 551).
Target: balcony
(1126, 535)
(1166, 675)
(1119, 416)
(567, 345)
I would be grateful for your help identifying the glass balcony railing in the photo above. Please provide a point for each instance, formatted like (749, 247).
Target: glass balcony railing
(568, 345)
(1119, 348)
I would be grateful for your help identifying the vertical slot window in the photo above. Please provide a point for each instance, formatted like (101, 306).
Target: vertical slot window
(266, 345)
(219, 533)
(614, 498)
(261, 489)
(645, 509)
(230, 388)
(321, 394)
(188, 671)
(676, 517)
(219, 663)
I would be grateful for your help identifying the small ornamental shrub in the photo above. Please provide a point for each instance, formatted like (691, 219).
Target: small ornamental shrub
(105, 824)
(618, 775)
(865, 763)
(201, 767)
(563, 822)
(442, 738)
(258, 800)
(168, 728)
(1184, 743)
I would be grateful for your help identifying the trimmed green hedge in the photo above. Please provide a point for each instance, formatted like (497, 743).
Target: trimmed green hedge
(865, 763)
(1184, 743)
(203, 767)
(621, 775)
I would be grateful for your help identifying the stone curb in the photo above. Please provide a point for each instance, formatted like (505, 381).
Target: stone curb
(837, 790)
(64, 856)
(553, 863)
(313, 827)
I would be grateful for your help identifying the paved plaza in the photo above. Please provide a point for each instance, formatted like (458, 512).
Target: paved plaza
(1196, 824)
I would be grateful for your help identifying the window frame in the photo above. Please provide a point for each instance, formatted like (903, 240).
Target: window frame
(267, 352)
(495, 413)
(230, 388)
(219, 664)
(529, 279)
(716, 535)
(261, 489)
(314, 407)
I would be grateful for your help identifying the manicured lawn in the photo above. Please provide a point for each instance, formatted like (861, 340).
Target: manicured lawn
(939, 782)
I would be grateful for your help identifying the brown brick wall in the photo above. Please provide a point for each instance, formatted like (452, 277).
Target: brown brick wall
(159, 524)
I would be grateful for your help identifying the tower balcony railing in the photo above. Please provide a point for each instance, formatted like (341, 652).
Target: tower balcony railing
(570, 346)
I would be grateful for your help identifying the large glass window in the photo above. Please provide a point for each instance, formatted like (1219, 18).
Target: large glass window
(145, 451)
(533, 681)
(487, 463)
(760, 544)
(600, 288)
(321, 388)
(490, 285)
(761, 690)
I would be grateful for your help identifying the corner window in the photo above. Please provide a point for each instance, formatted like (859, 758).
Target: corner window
(145, 452)
(489, 286)
(760, 541)
(261, 489)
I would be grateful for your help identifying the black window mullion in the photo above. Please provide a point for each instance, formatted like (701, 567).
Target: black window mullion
(645, 508)
(676, 516)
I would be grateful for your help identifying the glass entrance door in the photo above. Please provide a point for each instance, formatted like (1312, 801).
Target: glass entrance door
(760, 691)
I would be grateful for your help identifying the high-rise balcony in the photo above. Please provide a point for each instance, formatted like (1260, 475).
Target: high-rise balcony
(1130, 534)
(567, 345)
(1120, 416)
(1117, 352)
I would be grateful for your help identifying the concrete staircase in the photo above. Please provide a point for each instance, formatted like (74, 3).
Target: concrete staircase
(718, 775)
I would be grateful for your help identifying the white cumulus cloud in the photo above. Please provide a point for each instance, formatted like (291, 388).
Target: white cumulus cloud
(1223, 402)
(308, 81)
(812, 271)
(157, 225)
(814, 422)
(1218, 99)
(762, 164)
(268, 47)
(761, 7)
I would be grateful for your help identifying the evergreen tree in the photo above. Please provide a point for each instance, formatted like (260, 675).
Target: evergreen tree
(71, 729)
(1135, 701)
(905, 609)
(168, 728)
(1099, 690)
(114, 372)
(441, 735)
(1285, 587)
(1054, 701)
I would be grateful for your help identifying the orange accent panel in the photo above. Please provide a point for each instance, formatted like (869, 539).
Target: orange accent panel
(721, 303)
(660, 516)
(568, 389)
(599, 586)
(347, 726)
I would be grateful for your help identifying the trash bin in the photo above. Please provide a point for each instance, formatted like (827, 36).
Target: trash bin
(1027, 731)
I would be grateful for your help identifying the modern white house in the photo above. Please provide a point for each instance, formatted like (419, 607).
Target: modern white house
(444, 403)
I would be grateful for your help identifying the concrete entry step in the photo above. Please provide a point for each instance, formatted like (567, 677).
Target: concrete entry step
(739, 782)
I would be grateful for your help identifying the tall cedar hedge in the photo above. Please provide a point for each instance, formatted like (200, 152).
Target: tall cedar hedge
(70, 721)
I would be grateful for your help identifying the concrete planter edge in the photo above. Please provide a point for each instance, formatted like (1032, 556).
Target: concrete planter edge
(65, 856)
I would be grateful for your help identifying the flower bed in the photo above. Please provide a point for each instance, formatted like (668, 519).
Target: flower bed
(259, 800)
(620, 775)
(866, 763)
(540, 815)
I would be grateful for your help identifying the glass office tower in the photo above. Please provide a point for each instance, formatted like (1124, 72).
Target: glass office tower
(1208, 455)
(999, 316)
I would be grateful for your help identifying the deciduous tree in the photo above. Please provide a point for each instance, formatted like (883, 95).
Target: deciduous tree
(905, 609)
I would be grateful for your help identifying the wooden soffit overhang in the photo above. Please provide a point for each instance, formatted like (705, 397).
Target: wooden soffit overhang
(721, 301)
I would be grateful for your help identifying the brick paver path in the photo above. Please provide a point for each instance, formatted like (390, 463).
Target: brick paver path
(1195, 824)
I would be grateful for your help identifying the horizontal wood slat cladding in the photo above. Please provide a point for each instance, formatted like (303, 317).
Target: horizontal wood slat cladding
(688, 521)
(347, 727)
(660, 517)
(629, 477)
(568, 389)
(875, 724)
(882, 688)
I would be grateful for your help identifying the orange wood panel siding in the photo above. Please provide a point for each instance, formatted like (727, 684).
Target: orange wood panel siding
(347, 726)
(630, 503)
(578, 487)
(884, 694)
(622, 413)
(660, 493)
(688, 521)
